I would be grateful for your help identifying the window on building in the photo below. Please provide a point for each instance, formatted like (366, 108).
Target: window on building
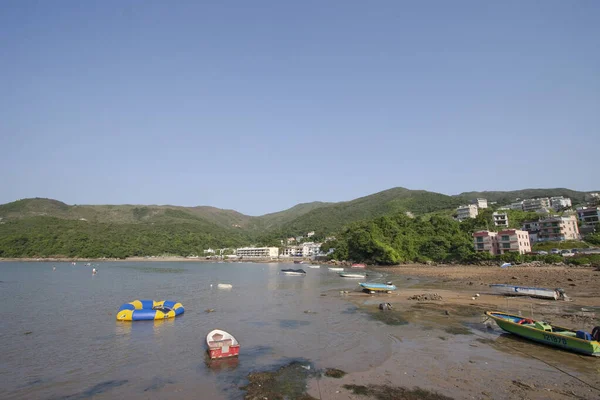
(479, 239)
(506, 245)
(480, 246)
(505, 237)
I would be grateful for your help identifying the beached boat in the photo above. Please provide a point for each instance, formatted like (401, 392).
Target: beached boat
(542, 332)
(352, 275)
(378, 287)
(298, 262)
(527, 291)
(224, 285)
(314, 266)
(335, 269)
(358, 265)
(222, 344)
(290, 271)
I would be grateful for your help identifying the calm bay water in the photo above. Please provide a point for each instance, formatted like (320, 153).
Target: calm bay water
(61, 339)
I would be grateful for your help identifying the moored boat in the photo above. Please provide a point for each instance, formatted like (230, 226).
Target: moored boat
(357, 275)
(513, 290)
(314, 266)
(224, 285)
(359, 265)
(290, 271)
(539, 331)
(335, 269)
(378, 287)
(222, 344)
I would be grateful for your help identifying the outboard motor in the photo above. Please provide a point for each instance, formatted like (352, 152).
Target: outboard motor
(596, 333)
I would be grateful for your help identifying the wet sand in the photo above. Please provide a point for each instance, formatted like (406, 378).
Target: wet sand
(450, 347)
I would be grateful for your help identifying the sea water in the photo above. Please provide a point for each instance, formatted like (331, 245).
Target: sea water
(61, 339)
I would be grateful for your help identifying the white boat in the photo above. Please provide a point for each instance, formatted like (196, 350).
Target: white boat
(224, 285)
(293, 271)
(222, 344)
(513, 290)
(335, 269)
(314, 266)
(352, 275)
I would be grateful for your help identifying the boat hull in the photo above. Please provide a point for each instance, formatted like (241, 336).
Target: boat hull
(232, 351)
(508, 323)
(222, 344)
(513, 290)
(335, 269)
(378, 287)
(353, 276)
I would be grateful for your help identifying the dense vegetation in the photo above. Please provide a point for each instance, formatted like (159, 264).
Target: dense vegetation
(398, 238)
(48, 236)
(379, 228)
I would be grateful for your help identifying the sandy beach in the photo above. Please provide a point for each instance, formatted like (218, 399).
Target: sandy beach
(442, 356)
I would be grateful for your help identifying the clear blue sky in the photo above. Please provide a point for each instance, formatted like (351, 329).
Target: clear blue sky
(259, 105)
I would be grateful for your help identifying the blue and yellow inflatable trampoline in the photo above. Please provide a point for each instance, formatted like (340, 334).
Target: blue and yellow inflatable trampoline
(144, 310)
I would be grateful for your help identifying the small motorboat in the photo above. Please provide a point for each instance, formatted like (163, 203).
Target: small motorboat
(359, 265)
(542, 332)
(222, 344)
(291, 271)
(356, 275)
(542, 293)
(314, 266)
(298, 262)
(336, 269)
(378, 287)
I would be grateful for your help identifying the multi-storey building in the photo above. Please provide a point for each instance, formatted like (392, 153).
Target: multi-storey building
(500, 219)
(258, 252)
(486, 241)
(518, 205)
(589, 217)
(558, 229)
(536, 204)
(559, 202)
(310, 249)
(291, 251)
(465, 212)
(506, 241)
(513, 240)
(592, 198)
(481, 203)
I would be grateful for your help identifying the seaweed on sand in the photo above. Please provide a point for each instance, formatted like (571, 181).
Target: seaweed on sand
(334, 373)
(385, 392)
(288, 382)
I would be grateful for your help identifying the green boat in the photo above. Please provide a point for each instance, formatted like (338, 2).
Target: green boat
(542, 332)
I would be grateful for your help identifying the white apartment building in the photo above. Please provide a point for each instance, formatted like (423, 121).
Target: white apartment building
(536, 204)
(310, 249)
(291, 251)
(559, 202)
(500, 219)
(518, 205)
(465, 212)
(258, 252)
(481, 203)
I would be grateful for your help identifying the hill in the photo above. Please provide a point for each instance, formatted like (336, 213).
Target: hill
(45, 227)
(503, 198)
(330, 218)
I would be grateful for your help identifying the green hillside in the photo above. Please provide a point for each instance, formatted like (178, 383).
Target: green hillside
(503, 198)
(332, 217)
(49, 236)
(45, 227)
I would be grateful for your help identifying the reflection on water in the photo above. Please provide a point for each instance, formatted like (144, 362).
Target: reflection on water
(77, 348)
